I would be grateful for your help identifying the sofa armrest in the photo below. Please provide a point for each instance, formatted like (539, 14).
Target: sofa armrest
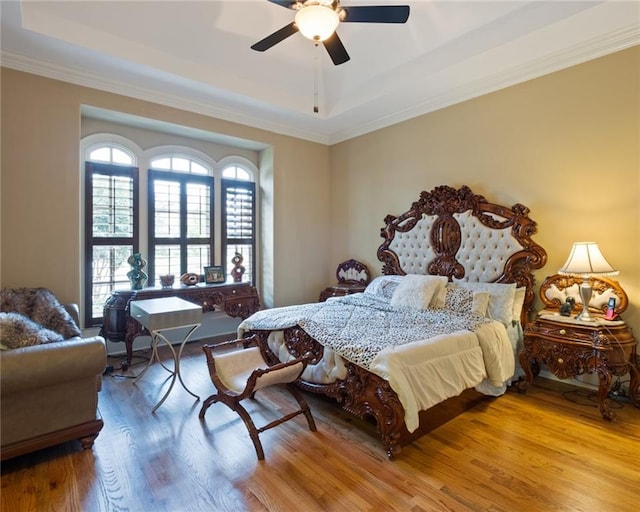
(74, 311)
(44, 365)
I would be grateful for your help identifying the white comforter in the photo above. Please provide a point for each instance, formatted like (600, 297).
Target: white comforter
(433, 365)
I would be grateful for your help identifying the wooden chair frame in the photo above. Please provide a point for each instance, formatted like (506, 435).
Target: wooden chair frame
(232, 398)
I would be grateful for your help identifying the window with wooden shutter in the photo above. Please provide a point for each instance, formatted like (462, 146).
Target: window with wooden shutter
(181, 210)
(238, 224)
(111, 231)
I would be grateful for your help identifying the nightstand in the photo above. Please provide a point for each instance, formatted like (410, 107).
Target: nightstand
(353, 277)
(340, 291)
(569, 347)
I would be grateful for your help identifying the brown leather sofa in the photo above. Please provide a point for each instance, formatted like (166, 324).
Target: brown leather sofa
(49, 394)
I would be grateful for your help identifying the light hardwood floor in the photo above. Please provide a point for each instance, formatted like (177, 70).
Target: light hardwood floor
(533, 452)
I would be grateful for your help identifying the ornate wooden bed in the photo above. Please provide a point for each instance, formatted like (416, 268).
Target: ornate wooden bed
(448, 232)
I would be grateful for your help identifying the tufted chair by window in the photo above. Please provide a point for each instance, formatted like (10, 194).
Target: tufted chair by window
(237, 374)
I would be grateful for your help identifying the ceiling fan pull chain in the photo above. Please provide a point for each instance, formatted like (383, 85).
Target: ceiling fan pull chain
(315, 78)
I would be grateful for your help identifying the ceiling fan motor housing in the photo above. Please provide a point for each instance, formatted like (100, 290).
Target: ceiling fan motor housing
(318, 20)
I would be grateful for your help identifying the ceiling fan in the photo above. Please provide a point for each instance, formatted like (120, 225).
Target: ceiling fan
(318, 20)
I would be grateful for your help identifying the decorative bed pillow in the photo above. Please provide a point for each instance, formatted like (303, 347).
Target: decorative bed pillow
(462, 300)
(501, 297)
(18, 331)
(518, 302)
(383, 286)
(417, 291)
(41, 306)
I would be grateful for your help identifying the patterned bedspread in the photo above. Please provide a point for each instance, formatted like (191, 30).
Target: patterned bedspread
(359, 326)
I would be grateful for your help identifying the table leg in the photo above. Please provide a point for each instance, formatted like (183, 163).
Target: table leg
(173, 374)
(177, 367)
(604, 386)
(152, 357)
(176, 363)
(129, 346)
(634, 373)
(525, 362)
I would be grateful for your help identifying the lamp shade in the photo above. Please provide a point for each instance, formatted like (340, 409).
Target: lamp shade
(317, 22)
(586, 260)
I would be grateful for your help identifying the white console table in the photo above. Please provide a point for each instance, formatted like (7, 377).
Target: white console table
(161, 315)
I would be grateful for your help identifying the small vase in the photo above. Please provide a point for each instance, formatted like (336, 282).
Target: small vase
(136, 275)
(238, 269)
(167, 281)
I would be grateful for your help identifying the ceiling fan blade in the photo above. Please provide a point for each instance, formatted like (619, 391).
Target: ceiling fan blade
(336, 49)
(377, 14)
(275, 38)
(284, 3)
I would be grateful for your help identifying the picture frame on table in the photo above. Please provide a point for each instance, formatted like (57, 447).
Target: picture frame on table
(214, 274)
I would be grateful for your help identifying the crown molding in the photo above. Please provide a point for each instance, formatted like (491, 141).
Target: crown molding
(75, 76)
(555, 61)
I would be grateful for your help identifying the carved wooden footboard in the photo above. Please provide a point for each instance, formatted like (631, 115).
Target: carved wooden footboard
(366, 395)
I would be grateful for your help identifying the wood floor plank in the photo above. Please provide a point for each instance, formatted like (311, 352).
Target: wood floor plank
(538, 451)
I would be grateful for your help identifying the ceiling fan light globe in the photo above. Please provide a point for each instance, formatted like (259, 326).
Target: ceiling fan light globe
(317, 22)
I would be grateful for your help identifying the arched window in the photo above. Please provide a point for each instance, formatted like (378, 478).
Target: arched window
(196, 213)
(181, 216)
(180, 164)
(235, 172)
(111, 222)
(111, 154)
(239, 220)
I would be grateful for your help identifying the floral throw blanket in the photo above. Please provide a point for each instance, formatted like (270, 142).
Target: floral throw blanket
(359, 326)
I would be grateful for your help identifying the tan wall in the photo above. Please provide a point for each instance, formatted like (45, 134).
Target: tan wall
(566, 145)
(40, 204)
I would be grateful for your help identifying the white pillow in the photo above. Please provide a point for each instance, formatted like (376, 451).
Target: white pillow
(518, 302)
(437, 301)
(417, 291)
(383, 286)
(480, 303)
(462, 300)
(501, 298)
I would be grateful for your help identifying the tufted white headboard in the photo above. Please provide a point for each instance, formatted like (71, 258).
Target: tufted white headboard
(458, 234)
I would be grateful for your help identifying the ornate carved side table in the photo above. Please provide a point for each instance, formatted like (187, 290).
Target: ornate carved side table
(238, 300)
(568, 347)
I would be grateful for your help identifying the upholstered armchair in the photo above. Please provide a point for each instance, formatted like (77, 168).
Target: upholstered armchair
(49, 374)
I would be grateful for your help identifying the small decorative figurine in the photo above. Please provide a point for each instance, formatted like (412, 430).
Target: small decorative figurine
(567, 307)
(189, 279)
(137, 276)
(238, 269)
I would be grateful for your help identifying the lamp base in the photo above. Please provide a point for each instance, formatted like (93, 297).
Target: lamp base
(585, 316)
(585, 296)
